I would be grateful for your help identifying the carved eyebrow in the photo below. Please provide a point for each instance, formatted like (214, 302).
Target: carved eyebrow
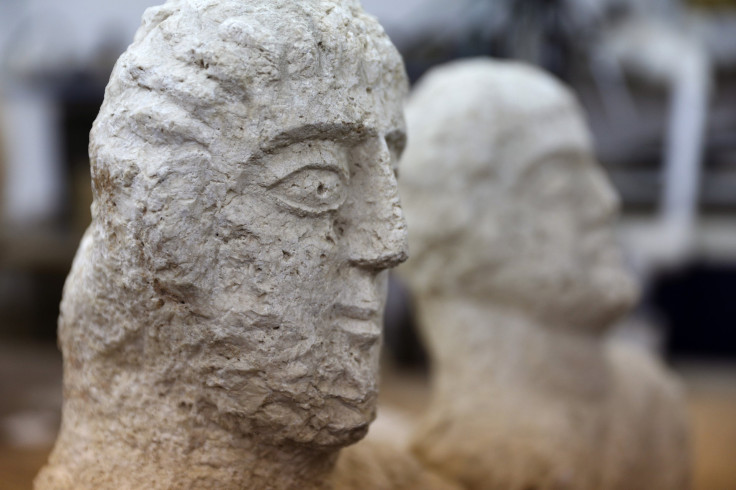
(346, 130)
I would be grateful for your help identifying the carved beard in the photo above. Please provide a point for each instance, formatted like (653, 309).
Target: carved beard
(287, 398)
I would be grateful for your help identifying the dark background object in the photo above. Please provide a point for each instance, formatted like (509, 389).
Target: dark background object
(698, 304)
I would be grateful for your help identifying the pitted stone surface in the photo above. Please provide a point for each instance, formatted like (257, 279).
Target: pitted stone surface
(517, 276)
(221, 322)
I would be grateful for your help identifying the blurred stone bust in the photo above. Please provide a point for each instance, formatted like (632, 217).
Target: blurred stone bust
(517, 274)
(221, 322)
(502, 172)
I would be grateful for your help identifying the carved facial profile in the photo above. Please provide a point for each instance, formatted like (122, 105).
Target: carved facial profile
(301, 288)
(505, 199)
(246, 208)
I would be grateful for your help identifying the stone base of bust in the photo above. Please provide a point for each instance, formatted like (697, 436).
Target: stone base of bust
(118, 467)
(100, 453)
(518, 406)
(115, 469)
(122, 472)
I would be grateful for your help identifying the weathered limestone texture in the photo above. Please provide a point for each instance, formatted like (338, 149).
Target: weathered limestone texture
(517, 276)
(221, 322)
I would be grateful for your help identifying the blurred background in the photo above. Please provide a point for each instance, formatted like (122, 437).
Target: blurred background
(657, 79)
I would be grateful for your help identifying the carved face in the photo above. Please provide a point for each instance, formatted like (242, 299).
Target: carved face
(246, 177)
(505, 201)
(561, 260)
(570, 209)
(289, 332)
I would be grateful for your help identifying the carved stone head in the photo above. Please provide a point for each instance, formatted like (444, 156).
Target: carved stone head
(246, 208)
(505, 200)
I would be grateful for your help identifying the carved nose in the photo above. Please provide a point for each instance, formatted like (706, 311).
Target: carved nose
(379, 241)
(608, 203)
(383, 246)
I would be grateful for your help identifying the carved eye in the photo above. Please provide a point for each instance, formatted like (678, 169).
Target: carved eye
(310, 191)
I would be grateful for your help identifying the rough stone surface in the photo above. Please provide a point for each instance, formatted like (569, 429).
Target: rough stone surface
(221, 322)
(517, 276)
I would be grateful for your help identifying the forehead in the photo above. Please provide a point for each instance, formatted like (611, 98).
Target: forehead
(323, 108)
(253, 77)
(323, 63)
(562, 134)
(347, 115)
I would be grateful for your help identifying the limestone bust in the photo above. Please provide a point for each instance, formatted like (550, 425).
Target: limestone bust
(517, 275)
(221, 322)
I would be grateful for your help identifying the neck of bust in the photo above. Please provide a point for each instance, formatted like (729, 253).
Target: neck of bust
(482, 350)
(134, 437)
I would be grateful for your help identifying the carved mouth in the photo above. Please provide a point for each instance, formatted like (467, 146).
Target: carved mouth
(363, 324)
(356, 312)
(602, 246)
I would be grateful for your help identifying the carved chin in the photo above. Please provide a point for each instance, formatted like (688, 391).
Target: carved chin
(314, 419)
(618, 291)
(334, 425)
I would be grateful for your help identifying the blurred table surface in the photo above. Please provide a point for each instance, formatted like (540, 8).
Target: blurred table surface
(26, 371)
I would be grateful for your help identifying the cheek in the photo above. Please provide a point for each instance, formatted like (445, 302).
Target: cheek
(283, 258)
(305, 246)
(255, 230)
(549, 235)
